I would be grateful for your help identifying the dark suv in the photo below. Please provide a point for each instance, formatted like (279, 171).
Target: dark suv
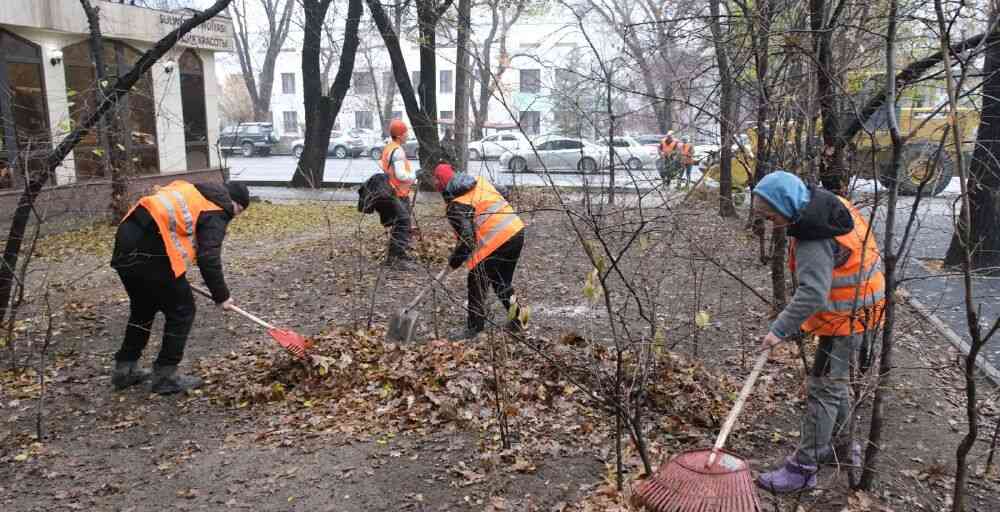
(248, 139)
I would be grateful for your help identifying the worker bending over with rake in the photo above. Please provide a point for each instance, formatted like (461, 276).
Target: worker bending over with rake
(156, 242)
(394, 210)
(839, 297)
(490, 238)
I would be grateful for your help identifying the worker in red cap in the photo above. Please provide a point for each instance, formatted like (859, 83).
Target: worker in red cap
(490, 238)
(394, 210)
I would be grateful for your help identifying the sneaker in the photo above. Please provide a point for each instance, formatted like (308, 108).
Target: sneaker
(514, 327)
(400, 263)
(789, 478)
(166, 381)
(127, 373)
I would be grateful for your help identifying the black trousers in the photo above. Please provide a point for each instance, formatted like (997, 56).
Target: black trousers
(497, 272)
(395, 212)
(152, 290)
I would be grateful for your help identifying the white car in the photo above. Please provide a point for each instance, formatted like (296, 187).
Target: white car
(701, 152)
(554, 152)
(496, 145)
(629, 152)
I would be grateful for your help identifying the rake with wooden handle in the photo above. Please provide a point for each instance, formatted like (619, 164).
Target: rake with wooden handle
(715, 479)
(293, 342)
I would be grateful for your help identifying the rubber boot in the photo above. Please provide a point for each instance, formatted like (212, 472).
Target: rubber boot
(166, 381)
(402, 263)
(791, 477)
(514, 327)
(127, 373)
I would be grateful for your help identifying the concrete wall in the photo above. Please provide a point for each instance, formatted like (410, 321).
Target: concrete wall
(73, 205)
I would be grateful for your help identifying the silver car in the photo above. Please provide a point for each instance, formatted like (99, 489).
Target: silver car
(341, 146)
(554, 152)
(629, 152)
(495, 145)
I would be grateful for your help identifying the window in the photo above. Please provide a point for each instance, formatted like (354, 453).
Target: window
(415, 78)
(288, 83)
(447, 114)
(447, 86)
(24, 116)
(548, 146)
(531, 122)
(508, 138)
(291, 121)
(363, 119)
(132, 125)
(388, 81)
(571, 144)
(397, 114)
(193, 107)
(531, 80)
(364, 83)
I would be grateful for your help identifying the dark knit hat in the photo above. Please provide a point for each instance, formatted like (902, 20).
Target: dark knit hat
(239, 193)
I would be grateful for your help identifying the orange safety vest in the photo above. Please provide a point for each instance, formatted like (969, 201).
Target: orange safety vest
(401, 187)
(686, 157)
(175, 209)
(495, 221)
(667, 149)
(857, 292)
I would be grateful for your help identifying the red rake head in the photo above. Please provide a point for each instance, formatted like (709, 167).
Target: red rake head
(292, 341)
(685, 484)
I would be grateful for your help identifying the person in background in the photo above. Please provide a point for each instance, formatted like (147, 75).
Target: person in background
(685, 155)
(395, 211)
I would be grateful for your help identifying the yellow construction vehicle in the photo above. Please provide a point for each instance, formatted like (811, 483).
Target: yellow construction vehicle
(928, 156)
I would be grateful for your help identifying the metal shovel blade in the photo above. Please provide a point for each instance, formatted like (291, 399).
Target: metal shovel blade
(292, 341)
(403, 325)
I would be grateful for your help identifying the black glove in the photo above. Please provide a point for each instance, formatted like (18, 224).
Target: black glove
(455, 260)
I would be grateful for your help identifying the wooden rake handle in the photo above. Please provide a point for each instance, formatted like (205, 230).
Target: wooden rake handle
(727, 427)
(236, 309)
(441, 275)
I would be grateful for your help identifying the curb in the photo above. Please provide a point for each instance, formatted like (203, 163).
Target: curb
(952, 337)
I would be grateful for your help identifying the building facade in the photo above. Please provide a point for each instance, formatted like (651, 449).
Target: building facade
(169, 121)
(528, 91)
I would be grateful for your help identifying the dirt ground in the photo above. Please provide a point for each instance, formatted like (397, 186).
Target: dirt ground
(375, 426)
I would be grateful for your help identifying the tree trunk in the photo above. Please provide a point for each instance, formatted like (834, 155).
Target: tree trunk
(391, 89)
(322, 109)
(726, 117)
(54, 158)
(984, 180)
(832, 172)
(462, 84)
(430, 146)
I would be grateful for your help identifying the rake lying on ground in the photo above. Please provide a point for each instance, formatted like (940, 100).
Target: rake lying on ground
(707, 480)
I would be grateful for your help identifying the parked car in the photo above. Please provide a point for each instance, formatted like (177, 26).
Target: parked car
(629, 152)
(341, 146)
(650, 140)
(554, 152)
(248, 139)
(495, 145)
(371, 138)
(411, 148)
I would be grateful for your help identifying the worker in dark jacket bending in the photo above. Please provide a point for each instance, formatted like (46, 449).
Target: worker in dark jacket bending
(840, 296)
(490, 238)
(155, 245)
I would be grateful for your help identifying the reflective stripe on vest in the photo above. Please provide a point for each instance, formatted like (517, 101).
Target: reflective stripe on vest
(495, 221)
(857, 291)
(175, 208)
(401, 187)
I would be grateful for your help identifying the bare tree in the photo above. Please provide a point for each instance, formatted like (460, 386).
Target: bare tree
(234, 101)
(277, 16)
(322, 107)
(503, 16)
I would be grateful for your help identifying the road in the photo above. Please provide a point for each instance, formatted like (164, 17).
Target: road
(278, 170)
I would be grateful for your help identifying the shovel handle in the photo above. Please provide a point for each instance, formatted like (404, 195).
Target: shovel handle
(235, 309)
(441, 275)
(738, 406)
